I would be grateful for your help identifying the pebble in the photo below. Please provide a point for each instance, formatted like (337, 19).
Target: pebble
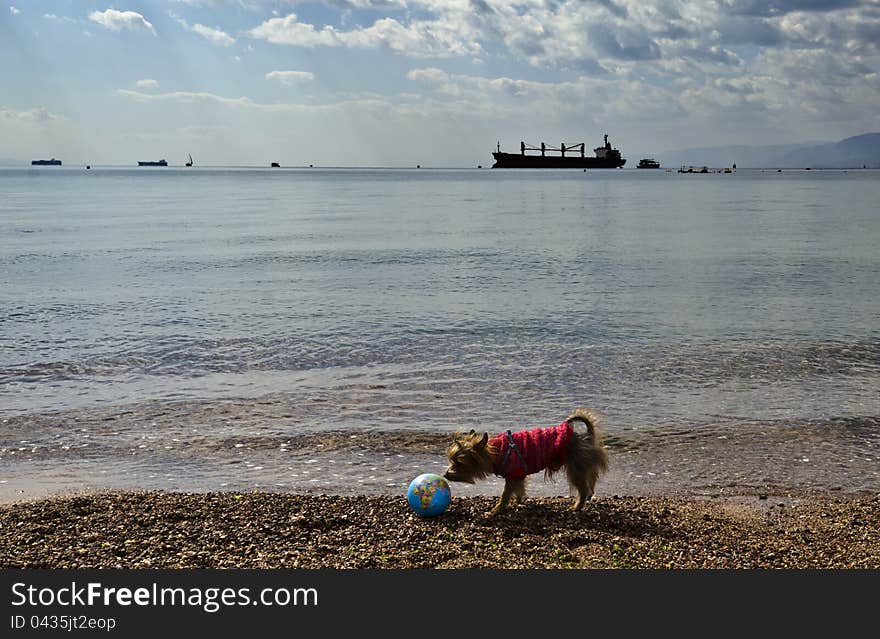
(222, 529)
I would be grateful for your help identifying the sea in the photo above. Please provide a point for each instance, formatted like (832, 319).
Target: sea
(322, 330)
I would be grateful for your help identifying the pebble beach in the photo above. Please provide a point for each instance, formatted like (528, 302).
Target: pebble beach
(156, 529)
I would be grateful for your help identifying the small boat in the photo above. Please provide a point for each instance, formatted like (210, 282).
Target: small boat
(648, 163)
(52, 162)
(150, 163)
(190, 163)
(275, 165)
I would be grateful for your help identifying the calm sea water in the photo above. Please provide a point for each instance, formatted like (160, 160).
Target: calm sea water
(212, 328)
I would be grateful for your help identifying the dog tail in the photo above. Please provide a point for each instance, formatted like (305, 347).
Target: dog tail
(592, 453)
(589, 418)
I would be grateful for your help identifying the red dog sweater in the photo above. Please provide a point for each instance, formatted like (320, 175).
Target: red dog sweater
(528, 451)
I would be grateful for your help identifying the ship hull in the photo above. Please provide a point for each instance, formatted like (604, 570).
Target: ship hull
(159, 163)
(46, 163)
(520, 161)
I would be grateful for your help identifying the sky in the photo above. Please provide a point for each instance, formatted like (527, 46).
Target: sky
(430, 82)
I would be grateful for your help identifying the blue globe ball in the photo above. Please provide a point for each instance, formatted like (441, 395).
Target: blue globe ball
(428, 495)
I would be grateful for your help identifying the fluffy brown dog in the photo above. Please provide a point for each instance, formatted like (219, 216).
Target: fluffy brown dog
(513, 456)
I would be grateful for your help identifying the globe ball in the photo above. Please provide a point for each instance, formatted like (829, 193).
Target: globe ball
(428, 495)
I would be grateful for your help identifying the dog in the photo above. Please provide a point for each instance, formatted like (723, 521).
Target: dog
(474, 456)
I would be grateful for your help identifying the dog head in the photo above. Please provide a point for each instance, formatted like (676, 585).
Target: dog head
(470, 457)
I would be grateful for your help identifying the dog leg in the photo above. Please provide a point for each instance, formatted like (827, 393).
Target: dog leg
(584, 490)
(585, 487)
(511, 488)
(519, 496)
(584, 495)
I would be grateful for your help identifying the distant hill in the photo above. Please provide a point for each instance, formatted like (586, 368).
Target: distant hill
(860, 150)
(854, 152)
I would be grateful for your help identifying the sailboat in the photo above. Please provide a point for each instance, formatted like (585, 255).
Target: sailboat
(190, 163)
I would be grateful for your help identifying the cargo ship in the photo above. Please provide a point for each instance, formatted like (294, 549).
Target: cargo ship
(52, 162)
(159, 163)
(604, 157)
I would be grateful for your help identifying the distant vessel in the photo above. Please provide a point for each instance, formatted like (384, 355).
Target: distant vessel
(275, 165)
(648, 163)
(52, 162)
(159, 163)
(693, 169)
(190, 163)
(604, 157)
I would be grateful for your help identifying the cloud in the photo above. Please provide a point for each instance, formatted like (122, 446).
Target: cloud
(595, 36)
(713, 53)
(288, 30)
(734, 30)
(431, 74)
(478, 88)
(783, 7)
(419, 38)
(369, 4)
(185, 97)
(216, 36)
(14, 11)
(37, 114)
(119, 20)
(213, 35)
(290, 77)
(56, 18)
(368, 103)
(203, 97)
(147, 83)
(250, 5)
(622, 42)
(621, 63)
(547, 34)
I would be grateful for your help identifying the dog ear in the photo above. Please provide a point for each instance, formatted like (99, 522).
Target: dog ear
(484, 441)
(473, 432)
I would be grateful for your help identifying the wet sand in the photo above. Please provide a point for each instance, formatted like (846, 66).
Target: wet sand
(273, 530)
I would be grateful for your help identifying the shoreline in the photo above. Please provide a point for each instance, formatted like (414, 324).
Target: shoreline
(153, 529)
(151, 450)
